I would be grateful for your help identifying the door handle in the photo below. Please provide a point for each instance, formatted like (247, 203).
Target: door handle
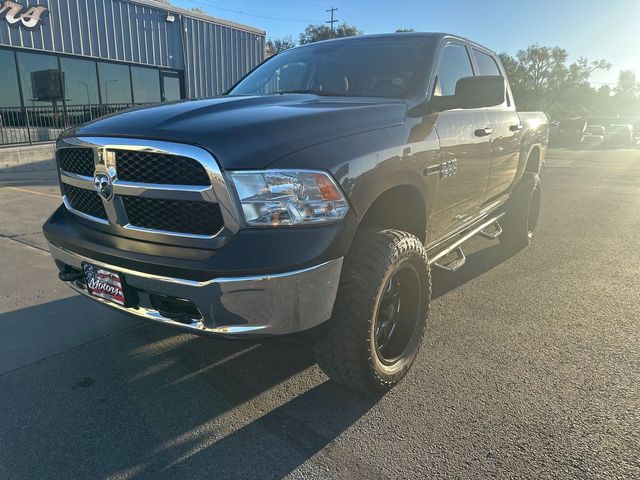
(515, 128)
(483, 132)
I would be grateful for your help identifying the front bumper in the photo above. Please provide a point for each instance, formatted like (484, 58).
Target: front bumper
(252, 306)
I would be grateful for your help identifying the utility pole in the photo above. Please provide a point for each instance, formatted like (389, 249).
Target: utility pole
(332, 21)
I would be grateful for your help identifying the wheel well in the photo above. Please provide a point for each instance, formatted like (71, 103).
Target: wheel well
(533, 162)
(401, 208)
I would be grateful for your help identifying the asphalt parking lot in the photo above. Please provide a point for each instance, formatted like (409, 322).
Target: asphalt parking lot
(530, 367)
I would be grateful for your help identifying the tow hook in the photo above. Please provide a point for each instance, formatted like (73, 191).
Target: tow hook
(70, 275)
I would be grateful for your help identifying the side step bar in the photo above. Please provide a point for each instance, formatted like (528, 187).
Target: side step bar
(488, 229)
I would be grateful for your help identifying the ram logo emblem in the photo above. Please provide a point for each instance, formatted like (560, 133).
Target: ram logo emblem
(103, 185)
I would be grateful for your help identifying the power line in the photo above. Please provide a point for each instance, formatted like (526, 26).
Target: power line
(332, 21)
(248, 14)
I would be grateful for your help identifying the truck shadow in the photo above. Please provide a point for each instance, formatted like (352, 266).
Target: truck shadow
(478, 263)
(148, 403)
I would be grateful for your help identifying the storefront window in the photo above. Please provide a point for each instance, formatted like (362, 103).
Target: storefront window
(146, 85)
(115, 83)
(40, 79)
(80, 81)
(10, 91)
(171, 88)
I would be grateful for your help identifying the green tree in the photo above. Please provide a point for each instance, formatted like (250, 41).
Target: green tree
(405, 30)
(625, 101)
(318, 32)
(543, 79)
(277, 45)
(628, 86)
(197, 9)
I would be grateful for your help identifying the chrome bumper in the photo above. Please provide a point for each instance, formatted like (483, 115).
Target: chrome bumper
(232, 306)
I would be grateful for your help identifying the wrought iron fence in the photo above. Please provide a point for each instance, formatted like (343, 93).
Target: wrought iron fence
(29, 125)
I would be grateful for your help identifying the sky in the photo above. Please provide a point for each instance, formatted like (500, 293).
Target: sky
(590, 28)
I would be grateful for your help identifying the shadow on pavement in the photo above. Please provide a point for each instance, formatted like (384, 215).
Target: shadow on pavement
(147, 402)
(29, 175)
(477, 263)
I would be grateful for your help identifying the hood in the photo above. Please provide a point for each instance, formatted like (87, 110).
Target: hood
(251, 132)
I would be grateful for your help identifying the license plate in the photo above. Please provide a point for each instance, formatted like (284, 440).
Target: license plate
(103, 283)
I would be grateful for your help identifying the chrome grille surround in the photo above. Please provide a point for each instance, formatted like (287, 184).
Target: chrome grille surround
(105, 149)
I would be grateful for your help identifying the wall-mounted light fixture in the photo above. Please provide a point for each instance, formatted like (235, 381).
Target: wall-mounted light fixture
(170, 18)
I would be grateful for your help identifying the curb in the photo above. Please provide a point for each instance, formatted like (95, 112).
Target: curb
(27, 158)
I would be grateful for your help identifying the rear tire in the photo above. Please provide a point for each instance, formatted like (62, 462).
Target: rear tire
(380, 312)
(522, 213)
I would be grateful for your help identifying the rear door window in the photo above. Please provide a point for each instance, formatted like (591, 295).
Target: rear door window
(486, 63)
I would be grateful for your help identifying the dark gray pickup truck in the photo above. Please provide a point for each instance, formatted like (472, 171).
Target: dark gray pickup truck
(312, 199)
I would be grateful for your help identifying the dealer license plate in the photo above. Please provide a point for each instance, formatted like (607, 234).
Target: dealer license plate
(104, 283)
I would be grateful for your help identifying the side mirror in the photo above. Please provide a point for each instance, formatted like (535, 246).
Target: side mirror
(480, 92)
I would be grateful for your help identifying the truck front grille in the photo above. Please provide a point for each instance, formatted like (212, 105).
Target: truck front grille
(147, 167)
(151, 189)
(198, 218)
(85, 201)
(77, 160)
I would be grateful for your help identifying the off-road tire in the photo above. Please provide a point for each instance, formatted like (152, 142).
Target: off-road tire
(346, 351)
(522, 213)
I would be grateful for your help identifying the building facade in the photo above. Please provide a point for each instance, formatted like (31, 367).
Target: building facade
(65, 62)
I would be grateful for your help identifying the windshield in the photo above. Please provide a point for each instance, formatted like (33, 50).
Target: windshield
(363, 68)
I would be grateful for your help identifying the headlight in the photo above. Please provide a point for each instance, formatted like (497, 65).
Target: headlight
(288, 197)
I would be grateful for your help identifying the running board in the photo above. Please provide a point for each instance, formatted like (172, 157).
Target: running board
(492, 232)
(456, 247)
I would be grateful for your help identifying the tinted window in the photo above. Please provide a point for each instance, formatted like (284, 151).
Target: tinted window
(115, 84)
(454, 65)
(286, 78)
(355, 68)
(10, 91)
(146, 85)
(171, 88)
(40, 79)
(80, 81)
(486, 64)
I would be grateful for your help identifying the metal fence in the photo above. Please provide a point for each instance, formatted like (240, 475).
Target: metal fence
(29, 125)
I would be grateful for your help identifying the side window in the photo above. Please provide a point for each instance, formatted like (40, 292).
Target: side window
(454, 65)
(486, 64)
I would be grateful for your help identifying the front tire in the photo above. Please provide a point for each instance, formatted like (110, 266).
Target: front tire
(380, 313)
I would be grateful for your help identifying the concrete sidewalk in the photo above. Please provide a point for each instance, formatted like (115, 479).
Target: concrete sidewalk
(39, 315)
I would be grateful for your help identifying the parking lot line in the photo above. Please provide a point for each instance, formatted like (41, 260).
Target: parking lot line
(26, 190)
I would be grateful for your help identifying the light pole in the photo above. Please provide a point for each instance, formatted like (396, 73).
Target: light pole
(106, 90)
(86, 85)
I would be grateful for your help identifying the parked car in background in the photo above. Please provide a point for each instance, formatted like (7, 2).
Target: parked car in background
(594, 135)
(619, 135)
(571, 131)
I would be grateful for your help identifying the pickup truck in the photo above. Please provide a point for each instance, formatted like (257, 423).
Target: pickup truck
(311, 200)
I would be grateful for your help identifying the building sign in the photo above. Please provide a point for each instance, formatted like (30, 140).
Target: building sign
(17, 15)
